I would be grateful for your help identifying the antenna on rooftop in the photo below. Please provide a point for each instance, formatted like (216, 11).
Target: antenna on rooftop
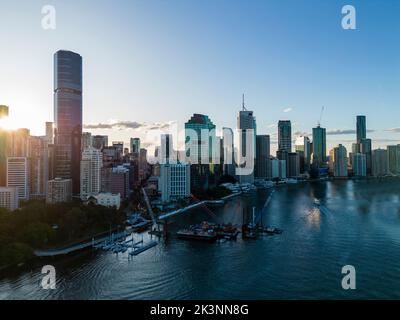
(243, 105)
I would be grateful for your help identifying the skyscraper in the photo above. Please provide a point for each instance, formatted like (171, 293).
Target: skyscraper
(68, 116)
(263, 154)
(366, 148)
(394, 159)
(338, 161)
(319, 147)
(246, 123)
(91, 164)
(135, 145)
(380, 163)
(38, 167)
(303, 148)
(361, 128)
(166, 150)
(200, 146)
(285, 135)
(359, 164)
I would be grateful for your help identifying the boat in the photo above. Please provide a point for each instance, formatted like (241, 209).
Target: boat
(227, 231)
(197, 234)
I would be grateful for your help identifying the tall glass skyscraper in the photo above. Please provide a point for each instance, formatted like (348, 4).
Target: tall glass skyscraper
(285, 135)
(361, 128)
(319, 146)
(68, 116)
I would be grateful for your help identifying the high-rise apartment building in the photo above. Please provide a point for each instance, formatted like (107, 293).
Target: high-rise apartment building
(91, 164)
(380, 163)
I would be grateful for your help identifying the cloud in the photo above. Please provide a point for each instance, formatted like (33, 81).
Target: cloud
(301, 134)
(126, 125)
(397, 130)
(348, 131)
(287, 110)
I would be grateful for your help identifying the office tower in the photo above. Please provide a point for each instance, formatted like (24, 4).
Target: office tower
(91, 164)
(38, 167)
(338, 161)
(9, 198)
(115, 180)
(166, 151)
(294, 165)
(246, 123)
(49, 132)
(99, 142)
(394, 159)
(68, 116)
(366, 148)
(18, 175)
(174, 182)
(380, 163)
(86, 140)
(263, 154)
(361, 128)
(359, 164)
(278, 169)
(135, 145)
(285, 135)
(200, 139)
(303, 148)
(59, 190)
(3, 111)
(229, 151)
(319, 147)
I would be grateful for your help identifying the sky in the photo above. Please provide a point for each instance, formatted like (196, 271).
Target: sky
(150, 62)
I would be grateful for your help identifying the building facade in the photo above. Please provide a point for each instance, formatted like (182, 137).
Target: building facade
(59, 190)
(68, 116)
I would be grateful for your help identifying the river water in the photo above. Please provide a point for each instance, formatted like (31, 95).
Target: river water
(358, 224)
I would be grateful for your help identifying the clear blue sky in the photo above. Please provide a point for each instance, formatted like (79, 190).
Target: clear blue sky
(157, 61)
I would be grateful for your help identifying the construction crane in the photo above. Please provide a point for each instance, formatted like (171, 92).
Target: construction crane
(320, 116)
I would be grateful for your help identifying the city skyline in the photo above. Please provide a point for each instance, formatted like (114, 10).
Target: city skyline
(356, 74)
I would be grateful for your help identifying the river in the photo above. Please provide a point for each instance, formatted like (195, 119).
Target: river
(358, 224)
